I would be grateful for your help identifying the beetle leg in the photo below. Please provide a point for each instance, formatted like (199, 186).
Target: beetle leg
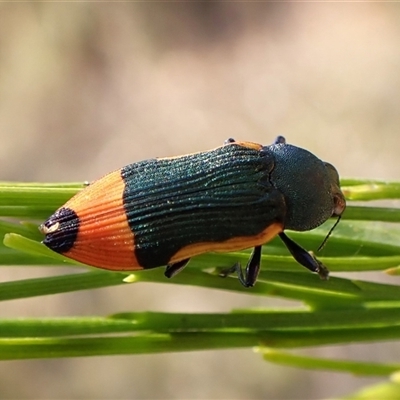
(249, 276)
(253, 267)
(229, 141)
(305, 258)
(280, 140)
(173, 269)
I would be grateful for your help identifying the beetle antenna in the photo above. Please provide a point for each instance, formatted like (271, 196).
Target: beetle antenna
(329, 234)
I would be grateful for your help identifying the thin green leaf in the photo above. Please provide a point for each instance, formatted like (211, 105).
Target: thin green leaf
(353, 367)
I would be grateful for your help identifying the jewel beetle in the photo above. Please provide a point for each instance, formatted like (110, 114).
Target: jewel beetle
(163, 211)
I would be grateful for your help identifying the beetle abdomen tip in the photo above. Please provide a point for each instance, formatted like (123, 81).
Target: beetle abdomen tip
(61, 230)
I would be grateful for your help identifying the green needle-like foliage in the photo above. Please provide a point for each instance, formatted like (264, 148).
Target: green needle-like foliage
(337, 311)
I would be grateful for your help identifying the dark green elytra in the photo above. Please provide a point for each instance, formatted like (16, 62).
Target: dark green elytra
(204, 197)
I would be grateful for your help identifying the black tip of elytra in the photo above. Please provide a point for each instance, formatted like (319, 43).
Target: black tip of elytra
(61, 230)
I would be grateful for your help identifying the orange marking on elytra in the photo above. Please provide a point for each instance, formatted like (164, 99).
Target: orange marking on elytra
(104, 238)
(234, 244)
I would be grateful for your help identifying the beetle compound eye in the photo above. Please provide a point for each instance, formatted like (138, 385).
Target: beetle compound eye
(339, 204)
(332, 171)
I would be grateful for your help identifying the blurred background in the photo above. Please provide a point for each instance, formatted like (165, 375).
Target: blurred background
(86, 88)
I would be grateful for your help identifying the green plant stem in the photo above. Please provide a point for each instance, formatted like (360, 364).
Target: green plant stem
(245, 321)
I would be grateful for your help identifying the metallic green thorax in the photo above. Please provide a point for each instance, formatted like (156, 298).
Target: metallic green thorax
(204, 197)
